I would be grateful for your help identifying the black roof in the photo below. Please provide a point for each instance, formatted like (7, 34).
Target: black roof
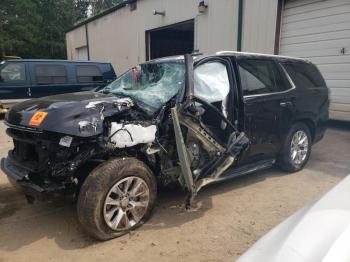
(231, 53)
(255, 55)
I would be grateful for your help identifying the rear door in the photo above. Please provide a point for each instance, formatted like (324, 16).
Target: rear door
(50, 79)
(269, 105)
(14, 82)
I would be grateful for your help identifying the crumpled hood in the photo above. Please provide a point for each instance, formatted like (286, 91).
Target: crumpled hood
(320, 232)
(77, 114)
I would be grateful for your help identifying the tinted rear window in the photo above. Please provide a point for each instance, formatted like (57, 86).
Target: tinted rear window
(89, 73)
(260, 76)
(51, 74)
(304, 75)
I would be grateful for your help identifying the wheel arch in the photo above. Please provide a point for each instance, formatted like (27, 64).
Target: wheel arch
(310, 124)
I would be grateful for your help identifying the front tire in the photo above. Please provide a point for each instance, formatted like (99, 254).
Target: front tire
(117, 197)
(296, 149)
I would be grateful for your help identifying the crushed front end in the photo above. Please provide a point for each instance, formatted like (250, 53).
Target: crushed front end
(52, 150)
(43, 167)
(37, 163)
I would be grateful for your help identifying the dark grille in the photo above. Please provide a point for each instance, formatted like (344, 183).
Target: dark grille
(31, 149)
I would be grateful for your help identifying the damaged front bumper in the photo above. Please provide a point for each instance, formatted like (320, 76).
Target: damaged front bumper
(18, 177)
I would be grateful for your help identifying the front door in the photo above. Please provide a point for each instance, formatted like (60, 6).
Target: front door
(268, 105)
(213, 91)
(206, 140)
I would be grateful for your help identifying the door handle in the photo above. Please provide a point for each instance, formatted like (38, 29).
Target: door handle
(286, 104)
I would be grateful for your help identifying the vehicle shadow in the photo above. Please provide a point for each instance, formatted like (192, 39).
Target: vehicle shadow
(23, 224)
(171, 205)
(331, 155)
(339, 125)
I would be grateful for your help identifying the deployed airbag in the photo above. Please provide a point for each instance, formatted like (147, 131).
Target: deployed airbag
(211, 82)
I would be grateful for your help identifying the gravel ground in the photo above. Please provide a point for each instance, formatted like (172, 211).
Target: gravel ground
(230, 216)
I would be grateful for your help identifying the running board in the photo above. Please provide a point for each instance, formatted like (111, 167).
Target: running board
(247, 169)
(234, 172)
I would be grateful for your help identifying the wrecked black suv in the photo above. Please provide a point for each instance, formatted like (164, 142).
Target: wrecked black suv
(191, 120)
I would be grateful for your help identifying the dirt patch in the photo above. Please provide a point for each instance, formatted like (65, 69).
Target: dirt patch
(10, 201)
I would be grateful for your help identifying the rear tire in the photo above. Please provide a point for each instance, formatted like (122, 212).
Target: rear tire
(296, 148)
(109, 206)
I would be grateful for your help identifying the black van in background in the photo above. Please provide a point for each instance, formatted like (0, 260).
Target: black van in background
(22, 79)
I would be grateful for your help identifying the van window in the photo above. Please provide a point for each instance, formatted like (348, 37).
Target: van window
(304, 75)
(51, 74)
(89, 73)
(13, 72)
(261, 77)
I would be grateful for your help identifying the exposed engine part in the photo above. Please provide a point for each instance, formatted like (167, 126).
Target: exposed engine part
(193, 150)
(220, 157)
(151, 150)
(198, 156)
(195, 130)
(128, 135)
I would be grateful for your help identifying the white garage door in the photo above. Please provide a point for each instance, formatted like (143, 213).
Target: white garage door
(320, 31)
(82, 53)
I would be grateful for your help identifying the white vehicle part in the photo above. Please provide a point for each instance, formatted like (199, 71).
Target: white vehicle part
(127, 135)
(319, 232)
(211, 82)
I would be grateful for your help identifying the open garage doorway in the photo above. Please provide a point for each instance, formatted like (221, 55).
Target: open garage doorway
(176, 39)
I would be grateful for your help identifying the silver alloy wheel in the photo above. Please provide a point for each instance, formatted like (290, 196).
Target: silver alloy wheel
(126, 203)
(299, 147)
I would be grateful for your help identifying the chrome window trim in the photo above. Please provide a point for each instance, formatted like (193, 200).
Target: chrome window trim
(276, 93)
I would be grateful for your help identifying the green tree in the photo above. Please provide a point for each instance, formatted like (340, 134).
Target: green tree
(81, 9)
(18, 27)
(36, 28)
(98, 6)
(56, 16)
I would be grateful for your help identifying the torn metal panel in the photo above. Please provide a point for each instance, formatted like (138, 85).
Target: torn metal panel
(182, 153)
(219, 158)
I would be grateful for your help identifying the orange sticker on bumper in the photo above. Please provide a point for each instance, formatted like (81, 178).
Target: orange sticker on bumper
(37, 118)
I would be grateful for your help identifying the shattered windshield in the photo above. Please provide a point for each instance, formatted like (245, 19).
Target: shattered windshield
(151, 84)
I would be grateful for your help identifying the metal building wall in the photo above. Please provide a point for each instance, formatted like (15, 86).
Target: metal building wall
(120, 37)
(75, 39)
(259, 26)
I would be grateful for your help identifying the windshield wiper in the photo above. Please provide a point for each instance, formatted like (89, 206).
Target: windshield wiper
(119, 94)
(103, 91)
